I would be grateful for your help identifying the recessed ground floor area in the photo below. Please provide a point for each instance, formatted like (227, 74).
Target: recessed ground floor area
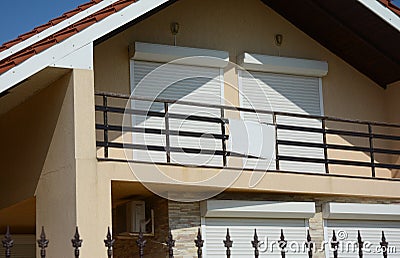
(270, 216)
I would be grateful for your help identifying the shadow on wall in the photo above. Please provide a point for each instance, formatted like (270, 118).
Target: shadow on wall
(27, 132)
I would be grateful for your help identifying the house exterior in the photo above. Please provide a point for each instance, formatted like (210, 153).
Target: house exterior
(153, 115)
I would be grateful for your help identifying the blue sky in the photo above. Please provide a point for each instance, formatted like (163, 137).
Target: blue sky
(20, 16)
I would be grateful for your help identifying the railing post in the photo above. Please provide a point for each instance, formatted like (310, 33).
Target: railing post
(170, 243)
(76, 243)
(282, 244)
(384, 245)
(167, 139)
(371, 149)
(43, 243)
(228, 244)
(223, 132)
(109, 243)
(141, 243)
(199, 244)
(334, 245)
(105, 120)
(274, 121)
(360, 245)
(8, 243)
(325, 145)
(309, 245)
(255, 243)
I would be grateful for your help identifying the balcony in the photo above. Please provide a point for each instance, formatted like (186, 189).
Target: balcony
(300, 144)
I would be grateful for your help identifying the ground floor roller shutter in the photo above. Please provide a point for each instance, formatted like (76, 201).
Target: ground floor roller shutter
(371, 232)
(242, 231)
(285, 93)
(24, 246)
(191, 83)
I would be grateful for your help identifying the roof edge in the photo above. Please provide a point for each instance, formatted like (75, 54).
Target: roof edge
(382, 11)
(56, 52)
(55, 28)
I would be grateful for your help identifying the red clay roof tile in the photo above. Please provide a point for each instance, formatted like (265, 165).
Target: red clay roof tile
(12, 42)
(65, 33)
(27, 35)
(104, 13)
(7, 66)
(23, 56)
(72, 12)
(85, 23)
(71, 30)
(86, 5)
(121, 4)
(43, 45)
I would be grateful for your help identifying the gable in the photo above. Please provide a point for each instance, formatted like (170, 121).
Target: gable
(369, 52)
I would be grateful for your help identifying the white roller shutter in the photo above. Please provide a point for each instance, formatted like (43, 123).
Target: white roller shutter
(242, 232)
(371, 233)
(285, 93)
(203, 84)
(24, 246)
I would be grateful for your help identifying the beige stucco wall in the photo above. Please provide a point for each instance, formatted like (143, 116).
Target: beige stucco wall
(237, 27)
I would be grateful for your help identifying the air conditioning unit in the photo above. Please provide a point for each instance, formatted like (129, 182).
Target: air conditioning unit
(130, 218)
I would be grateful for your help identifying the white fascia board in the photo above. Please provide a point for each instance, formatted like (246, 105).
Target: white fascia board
(177, 54)
(80, 59)
(53, 29)
(364, 211)
(57, 52)
(256, 209)
(382, 11)
(286, 65)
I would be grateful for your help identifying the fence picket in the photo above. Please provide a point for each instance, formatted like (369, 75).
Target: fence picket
(384, 245)
(199, 244)
(8, 243)
(109, 243)
(77, 242)
(282, 244)
(228, 244)
(43, 243)
(170, 243)
(360, 245)
(141, 243)
(255, 243)
(309, 245)
(334, 245)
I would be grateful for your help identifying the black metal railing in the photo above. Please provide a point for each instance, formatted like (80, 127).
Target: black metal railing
(254, 245)
(380, 149)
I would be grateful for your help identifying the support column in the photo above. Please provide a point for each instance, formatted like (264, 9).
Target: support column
(184, 221)
(69, 193)
(316, 227)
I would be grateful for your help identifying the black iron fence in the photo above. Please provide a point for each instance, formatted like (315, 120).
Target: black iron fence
(227, 243)
(376, 141)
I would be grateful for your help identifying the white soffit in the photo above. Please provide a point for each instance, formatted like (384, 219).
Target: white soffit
(177, 54)
(382, 11)
(361, 211)
(286, 65)
(59, 51)
(256, 209)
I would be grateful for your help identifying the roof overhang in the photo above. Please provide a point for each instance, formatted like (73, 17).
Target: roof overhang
(364, 33)
(62, 54)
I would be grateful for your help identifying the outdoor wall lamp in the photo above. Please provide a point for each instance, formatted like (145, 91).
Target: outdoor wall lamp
(278, 39)
(174, 27)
